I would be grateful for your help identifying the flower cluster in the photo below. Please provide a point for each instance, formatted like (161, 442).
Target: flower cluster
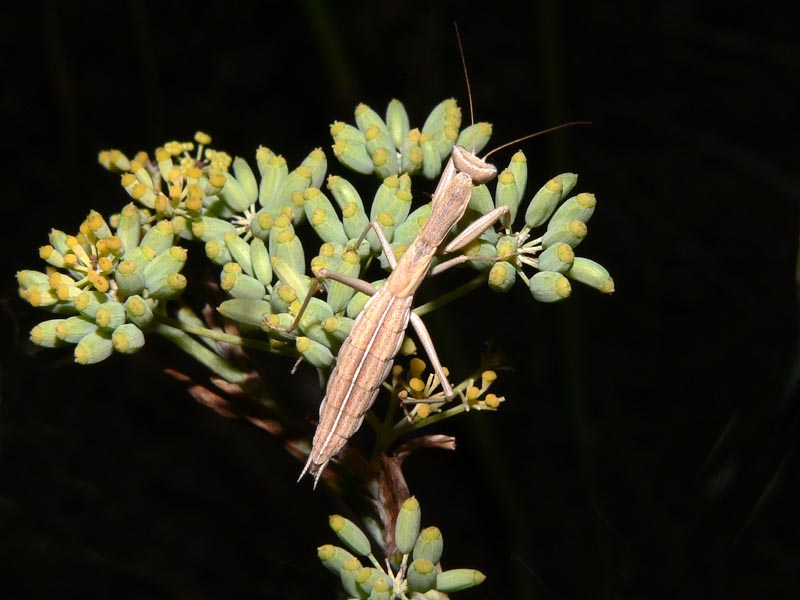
(414, 569)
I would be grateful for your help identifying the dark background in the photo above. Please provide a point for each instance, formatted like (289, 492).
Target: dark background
(647, 448)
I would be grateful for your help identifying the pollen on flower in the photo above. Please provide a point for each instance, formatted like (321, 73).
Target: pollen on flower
(416, 384)
(423, 411)
(217, 179)
(488, 377)
(202, 138)
(162, 155)
(492, 401)
(473, 393)
(173, 148)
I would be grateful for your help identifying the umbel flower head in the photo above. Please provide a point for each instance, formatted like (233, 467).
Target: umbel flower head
(248, 220)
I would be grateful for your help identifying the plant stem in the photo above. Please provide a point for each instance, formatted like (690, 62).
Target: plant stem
(455, 294)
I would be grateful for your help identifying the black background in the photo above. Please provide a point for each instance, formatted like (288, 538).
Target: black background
(647, 448)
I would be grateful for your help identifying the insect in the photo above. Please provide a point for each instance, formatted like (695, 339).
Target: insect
(366, 356)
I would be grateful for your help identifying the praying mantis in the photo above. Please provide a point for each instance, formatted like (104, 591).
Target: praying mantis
(366, 356)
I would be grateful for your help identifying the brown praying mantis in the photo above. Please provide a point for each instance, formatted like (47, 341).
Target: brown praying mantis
(366, 356)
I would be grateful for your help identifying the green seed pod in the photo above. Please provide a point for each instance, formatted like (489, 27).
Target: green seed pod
(274, 172)
(592, 274)
(127, 339)
(348, 572)
(354, 156)
(570, 232)
(141, 255)
(211, 228)
(218, 252)
(397, 122)
(171, 261)
(407, 526)
(429, 545)
(456, 580)
(544, 202)
(351, 536)
(234, 194)
(167, 288)
(261, 224)
(259, 257)
(475, 137)
(284, 244)
(44, 334)
(245, 310)
(128, 227)
(315, 353)
(129, 278)
(507, 193)
(318, 164)
(139, 311)
(291, 276)
(421, 575)
(333, 557)
(519, 167)
(502, 276)
(558, 257)
(339, 294)
(431, 161)
(246, 179)
(579, 208)
(323, 218)
(337, 328)
(239, 251)
(93, 348)
(381, 590)
(344, 131)
(547, 286)
(74, 329)
(239, 285)
(110, 315)
(442, 126)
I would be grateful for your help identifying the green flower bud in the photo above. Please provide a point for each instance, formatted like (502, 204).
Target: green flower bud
(93, 348)
(44, 334)
(139, 311)
(547, 286)
(318, 164)
(239, 285)
(519, 167)
(261, 264)
(381, 590)
(366, 118)
(323, 218)
(482, 248)
(366, 579)
(141, 255)
(592, 274)
(263, 156)
(218, 252)
(346, 132)
(74, 329)
(350, 535)
(311, 321)
(128, 227)
(274, 172)
(246, 181)
(337, 329)
(359, 300)
(284, 244)
(168, 287)
(456, 580)
(412, 157)
(291, 277)
(333, 557)
(579, 208)
(397, 122)
(570, 232)
(442, 126)
(348, 572)
(88, 303)
(127, 339)
(110, 315)
(507, 193)
(547, 198)
(339, 294)
(261, 224)
(407, 526)
(421, 575)
(475, 137)
(354, 156)
(382, 152)
(297, 181)
(282, 321)
(159, 237)
(129, 278)
(502, 276)
(429, 545)
(211, 228)
(558, 257)
(431, 160)
(239, 251)
(245, 310)
(166, 263)
(314, 352)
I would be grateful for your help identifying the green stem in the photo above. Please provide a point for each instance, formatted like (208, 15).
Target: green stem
(200, 353)
(218, 336)
(455, 294)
